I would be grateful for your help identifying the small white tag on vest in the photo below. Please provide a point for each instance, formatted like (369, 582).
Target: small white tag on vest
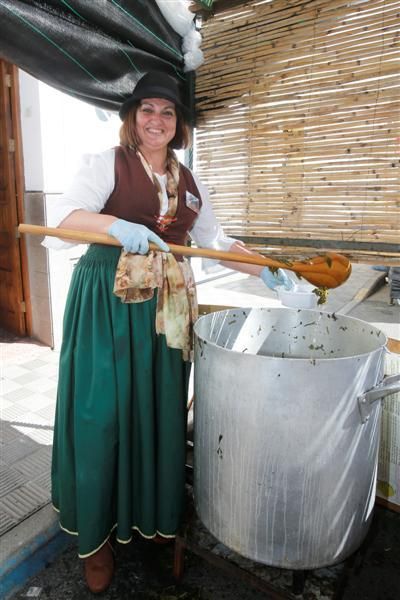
(192, 202)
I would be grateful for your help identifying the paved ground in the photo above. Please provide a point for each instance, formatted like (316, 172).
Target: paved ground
(28, 391)
(144, 572)
(29, 377)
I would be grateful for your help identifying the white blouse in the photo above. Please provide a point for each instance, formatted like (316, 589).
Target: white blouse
(93, 185)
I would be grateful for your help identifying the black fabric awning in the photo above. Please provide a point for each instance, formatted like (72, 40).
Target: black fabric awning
(94, 51)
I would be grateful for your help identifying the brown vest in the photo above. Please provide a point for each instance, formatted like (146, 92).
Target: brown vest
(134, 197)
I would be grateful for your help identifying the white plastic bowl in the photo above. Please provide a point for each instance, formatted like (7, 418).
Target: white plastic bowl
(300, 296)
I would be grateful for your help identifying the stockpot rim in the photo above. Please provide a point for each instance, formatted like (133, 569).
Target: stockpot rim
(379, 348)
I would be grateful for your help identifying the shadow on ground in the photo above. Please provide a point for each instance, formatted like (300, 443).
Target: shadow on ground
(144, 572)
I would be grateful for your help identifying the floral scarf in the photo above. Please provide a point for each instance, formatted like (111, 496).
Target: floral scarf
(138, 275)
(172, 172)
(136, 278)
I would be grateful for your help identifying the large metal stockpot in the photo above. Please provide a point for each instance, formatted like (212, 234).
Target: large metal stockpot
(286, 438)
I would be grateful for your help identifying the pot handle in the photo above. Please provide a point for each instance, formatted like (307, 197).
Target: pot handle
(389, 385)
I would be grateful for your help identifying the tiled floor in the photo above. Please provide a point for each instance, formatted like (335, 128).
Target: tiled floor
(28, 384)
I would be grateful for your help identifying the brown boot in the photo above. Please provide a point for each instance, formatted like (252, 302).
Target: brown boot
(99, 569)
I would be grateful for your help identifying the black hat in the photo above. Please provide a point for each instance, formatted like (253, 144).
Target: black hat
(154, 84)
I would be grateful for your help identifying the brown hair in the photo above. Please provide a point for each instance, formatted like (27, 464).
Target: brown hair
(128, 135)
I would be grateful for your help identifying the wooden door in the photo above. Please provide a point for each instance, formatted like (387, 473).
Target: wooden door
(12, 304)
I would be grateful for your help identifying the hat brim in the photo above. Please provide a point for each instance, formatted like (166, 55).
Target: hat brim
(151, 92)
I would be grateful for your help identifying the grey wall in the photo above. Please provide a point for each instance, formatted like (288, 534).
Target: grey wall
(38, 270)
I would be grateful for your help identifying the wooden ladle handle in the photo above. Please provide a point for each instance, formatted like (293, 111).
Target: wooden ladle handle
(329, 270)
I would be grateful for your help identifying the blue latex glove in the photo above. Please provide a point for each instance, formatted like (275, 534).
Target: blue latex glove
(135, 238)
(274, 280)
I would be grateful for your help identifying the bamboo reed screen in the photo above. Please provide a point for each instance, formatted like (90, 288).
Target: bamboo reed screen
(298, 128)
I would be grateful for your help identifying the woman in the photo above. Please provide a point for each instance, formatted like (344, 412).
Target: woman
(119, 440)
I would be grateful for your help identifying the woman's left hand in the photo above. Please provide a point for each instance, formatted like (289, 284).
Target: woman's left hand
(276, 279)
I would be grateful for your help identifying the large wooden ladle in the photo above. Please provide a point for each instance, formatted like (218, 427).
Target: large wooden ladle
(324, 271)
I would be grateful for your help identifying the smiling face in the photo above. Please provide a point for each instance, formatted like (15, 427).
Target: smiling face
(155, 123)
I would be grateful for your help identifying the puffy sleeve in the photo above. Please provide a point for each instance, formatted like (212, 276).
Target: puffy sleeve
(90, 189)
(206, 231)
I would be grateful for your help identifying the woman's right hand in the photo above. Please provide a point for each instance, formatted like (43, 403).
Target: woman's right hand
(135, 238)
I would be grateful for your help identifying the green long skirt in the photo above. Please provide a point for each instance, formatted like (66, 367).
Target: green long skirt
(120, 428)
